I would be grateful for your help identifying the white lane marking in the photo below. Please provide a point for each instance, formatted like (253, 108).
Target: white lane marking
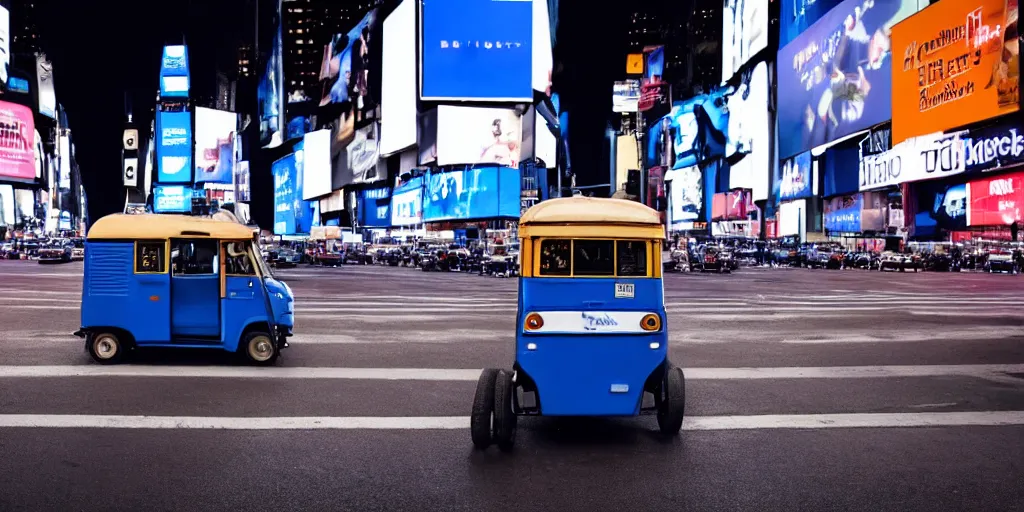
(449, 374)
(692, 423)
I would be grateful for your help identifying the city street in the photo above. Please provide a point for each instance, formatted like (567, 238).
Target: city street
(806, 390)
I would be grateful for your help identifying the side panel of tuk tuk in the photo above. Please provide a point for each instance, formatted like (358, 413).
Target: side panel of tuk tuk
(117, 294)
(583, 372)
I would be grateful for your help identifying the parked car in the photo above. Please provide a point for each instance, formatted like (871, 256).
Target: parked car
(1001, 261)
(56, 252)
(897, 261)
(710, 259)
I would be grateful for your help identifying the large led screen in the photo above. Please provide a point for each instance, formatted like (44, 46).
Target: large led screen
(996, 201)
(471, 135)
(398, 81)
(407, 203)
(44, 81)
(959, 65)
(174, 147)
(795, 178)
(485, 55)
(940, 205)
(543, 59)
(483, 193)
(792, 217)
(172, 199)
(347, 65)
(798, 15)
(374, 207)
(242, 190)
(215, 145)
(270, 94)
(842, 214)
(750, 133)
(285, 194)
(837, 75)
(316, 179)
(17, 143)
(744, 33)
(174, 79)
(363, 155)
(686, 195)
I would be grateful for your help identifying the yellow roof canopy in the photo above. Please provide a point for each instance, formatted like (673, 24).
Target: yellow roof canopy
(160, 227)
(591, 217)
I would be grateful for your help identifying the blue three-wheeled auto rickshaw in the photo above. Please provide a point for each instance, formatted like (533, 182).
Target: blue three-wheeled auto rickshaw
(591, 334)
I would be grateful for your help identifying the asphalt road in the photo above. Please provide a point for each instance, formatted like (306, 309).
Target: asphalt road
(807, 390)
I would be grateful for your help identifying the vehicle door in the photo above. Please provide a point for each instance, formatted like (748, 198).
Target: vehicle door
(195, 289)
(149, 316)
(242, 299)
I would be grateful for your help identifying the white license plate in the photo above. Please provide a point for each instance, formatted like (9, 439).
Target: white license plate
(624, 291)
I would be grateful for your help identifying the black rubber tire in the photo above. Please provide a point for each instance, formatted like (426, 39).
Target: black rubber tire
(505, 419)
(481, 427)
(672, 401)
(251, 337)
(105, 356)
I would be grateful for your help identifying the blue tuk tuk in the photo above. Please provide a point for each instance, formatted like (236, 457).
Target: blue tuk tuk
(178, 281)
(591, 334)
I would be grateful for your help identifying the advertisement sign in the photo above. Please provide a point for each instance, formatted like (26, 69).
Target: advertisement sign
(215, 145)
(993, 148)
(471, 135)
(736, 202)
(957, 63)
(7, 205)
(131, 166)
(407, 203)
(744, 33)
(17, 84)
(792, 218)
(996, 201)
(270, 93)
(794, 180)
(842, 214)
(921, 158)
(837, 74)
(172, 199)
(17, 142)
(486, 56)
(131, 139)
(686, 195)
(363, 154)
(625, 96)
(635, 64)
(375, 207)
(174, 147)
(286, 195)
(5, 45)
(242, 181)
(718, 202)
(940, 206)
(64, 154)
(174, 79)
(345, 70)
(398, 80)
(873, 211)
(333, 203)
(654, 91)
(482, 193)
(798, 15)
(316, 179)
(749, 132)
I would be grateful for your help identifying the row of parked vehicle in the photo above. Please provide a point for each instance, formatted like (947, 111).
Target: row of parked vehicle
(53, 250)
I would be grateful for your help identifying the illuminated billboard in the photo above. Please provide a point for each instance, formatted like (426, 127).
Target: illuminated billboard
(174, 147)
(17, 142)
(214, 145)
(174, 79)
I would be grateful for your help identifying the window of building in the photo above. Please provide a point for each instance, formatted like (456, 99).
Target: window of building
(632, 258)
(593, 257)
(555, 257)
(194, 257)
(149, 257)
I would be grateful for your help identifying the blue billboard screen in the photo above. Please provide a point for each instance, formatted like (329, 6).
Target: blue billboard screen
(407, 203)
(375, 207)
(843, 213)
(482, 193)
(837, 74)
(798, 15)
(292, 215)
(476, 50)
(794, 178)
(172, 199)
(174, 79)
(174, 147)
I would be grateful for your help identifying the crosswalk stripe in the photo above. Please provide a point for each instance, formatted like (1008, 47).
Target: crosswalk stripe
(692, 423)
(430, 374)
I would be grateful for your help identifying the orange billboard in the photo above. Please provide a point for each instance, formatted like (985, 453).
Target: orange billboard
(954, 63)
(635, 64)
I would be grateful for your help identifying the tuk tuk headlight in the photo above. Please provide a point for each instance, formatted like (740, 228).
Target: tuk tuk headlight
(533, 322)
(650, 322)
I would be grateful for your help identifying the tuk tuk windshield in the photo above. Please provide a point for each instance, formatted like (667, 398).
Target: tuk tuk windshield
(593, 258)
(258, 256)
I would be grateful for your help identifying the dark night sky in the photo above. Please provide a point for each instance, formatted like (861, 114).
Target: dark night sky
(98, 58)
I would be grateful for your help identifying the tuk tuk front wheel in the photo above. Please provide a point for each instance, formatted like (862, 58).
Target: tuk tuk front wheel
(105, 348)
(481, 424)
(260, 348)
(505, 418)
(672, 401)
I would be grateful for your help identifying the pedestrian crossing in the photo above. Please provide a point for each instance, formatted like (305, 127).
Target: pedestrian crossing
(376, 346)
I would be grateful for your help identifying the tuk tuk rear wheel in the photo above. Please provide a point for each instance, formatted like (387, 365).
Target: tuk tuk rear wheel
(105, 348)
(671, 401)
(260, 348)
(505, 418)
(481, 424)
